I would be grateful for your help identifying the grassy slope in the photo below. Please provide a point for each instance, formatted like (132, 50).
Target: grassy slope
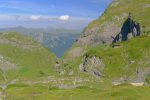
(125, 92)
(118, 60)
(137, 49)
(31, 58)
(117, 13)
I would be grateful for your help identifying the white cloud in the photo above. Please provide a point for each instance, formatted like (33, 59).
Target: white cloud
(64, 17)
(12, 17)
(43, 18)
(43, 21)
(35, 17)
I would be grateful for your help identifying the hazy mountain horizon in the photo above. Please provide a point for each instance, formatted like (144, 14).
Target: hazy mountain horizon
(57, 40)
(26, 30)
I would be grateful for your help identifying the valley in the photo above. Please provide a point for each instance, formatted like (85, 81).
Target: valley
(56, 40)
(60, 64)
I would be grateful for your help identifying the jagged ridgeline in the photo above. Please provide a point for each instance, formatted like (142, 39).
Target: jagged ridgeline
(22, 57)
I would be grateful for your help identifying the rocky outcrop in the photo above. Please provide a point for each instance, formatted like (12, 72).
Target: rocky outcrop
(92, 65)
(94, 36)
(129, 26)
(107, 34)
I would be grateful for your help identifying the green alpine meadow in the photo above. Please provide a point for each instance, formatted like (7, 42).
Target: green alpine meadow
(75, 50)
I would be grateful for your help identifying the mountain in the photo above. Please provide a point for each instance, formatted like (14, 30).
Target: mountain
(95, 54)
(94, 68)
(22, 58)
(109, 24)
(56, 40)
(28, 31)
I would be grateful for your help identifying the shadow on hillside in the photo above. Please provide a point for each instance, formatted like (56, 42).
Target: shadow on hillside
(129, 26)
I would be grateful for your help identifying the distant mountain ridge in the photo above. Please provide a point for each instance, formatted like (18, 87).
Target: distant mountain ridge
(27, 31)
(56, 40)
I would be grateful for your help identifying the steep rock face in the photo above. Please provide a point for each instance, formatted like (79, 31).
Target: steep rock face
(111, 21)
(92, 65)
(129, 26)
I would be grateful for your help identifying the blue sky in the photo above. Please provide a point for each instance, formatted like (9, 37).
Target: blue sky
(50, 13)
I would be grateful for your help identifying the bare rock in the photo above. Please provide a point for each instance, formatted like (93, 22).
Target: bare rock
(92, 65)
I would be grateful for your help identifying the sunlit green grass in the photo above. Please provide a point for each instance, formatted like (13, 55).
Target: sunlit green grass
(125, 92)
(118, 60)
(31, 58)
